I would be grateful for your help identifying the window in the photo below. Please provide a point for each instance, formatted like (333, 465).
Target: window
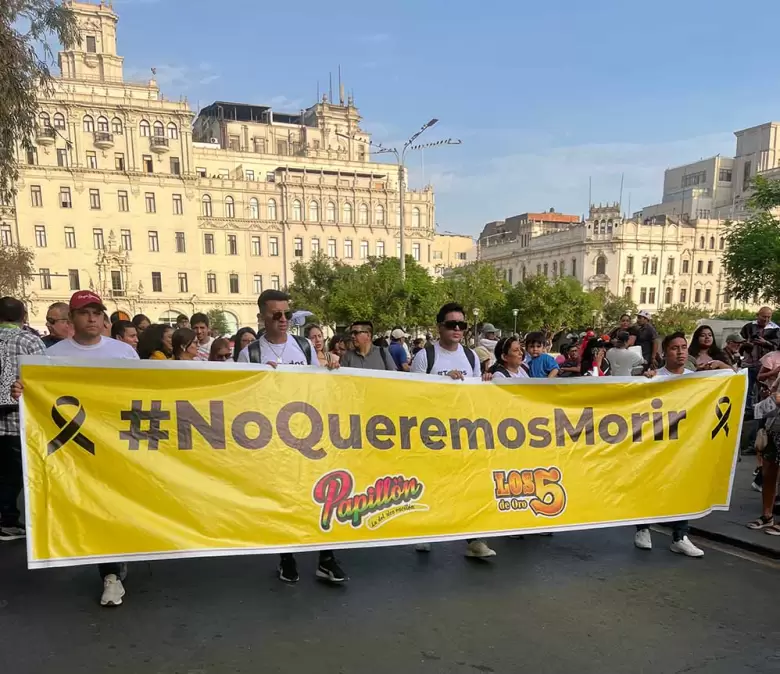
(724, 175)
(44, 120)
(200, 171)
(364, 250)
(563, 268)
(415, 217)
(697, 296)
(315, 246)
(65, 201)
(184, 286)
(601, 265)
(45, 275)
(685, 264)
(249, 175)
(116, 280)
(70, 237)
(363, 214)
(94, 199)
(159, 130)
(127, 239)
(259, 145)
(707, 296)
(145, 129)
(712, 243)
(102, 124)
(271, 209)
(275, 282)
(116, 126)
(643, 296)
(627, 292)
(416, 251)
(314, 211)
(651, 296)
(211, 283)
(670, 268)
(205, 206)
(574, 266)
(124, 204)
(298, 246)
(691, 179)
(464, 256)
(32, 156)
(208, 244)
(270, 177)
(119, 161)
(555, 269)
(230, 207)
(256, 249)
(645, 266)
(297, 214)
(630, 264)
(538, 270)
(330, 212)
(154, 242)
(175, 166)
(546, 269)
(726, 298)
(380, 248)
(331, 247)
(348, 253)
(40, 236)
(257, 284)
(178, 205)
(273, 246)
(62, 157)
(6, 238)
(59, 120)
(148, 163)
(710, 264)
(173, 131)
(91, 44)
(73, 279)
(683, 295)
(254, 209)
(97, 238)
(91, 159)
(233, 279)
(746, 176)
(700, 267)
(156, 282)
(89, 124)
(347, 213)
(282, 147)
(379, 214)
(181, 242)
(701, 242)
(654, 266)
(721, 243)
(36, 197)
(232, 244)
(151, 206)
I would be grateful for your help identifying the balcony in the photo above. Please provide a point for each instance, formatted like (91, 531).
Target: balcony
(159, 144)
(45, 135)
(104, 140)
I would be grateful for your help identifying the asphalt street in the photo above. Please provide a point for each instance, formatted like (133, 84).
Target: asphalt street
(584, 602)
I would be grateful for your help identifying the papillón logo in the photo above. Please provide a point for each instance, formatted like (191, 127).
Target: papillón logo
(69, 430)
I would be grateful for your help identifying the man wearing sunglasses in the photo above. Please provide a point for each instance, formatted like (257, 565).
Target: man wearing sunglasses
(449, 358)
(58, 324)
(365, 355)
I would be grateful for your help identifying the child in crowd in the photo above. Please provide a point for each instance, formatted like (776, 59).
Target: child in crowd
(542, 365)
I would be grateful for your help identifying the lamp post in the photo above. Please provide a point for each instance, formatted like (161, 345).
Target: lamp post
(514, 315)
(476, 320)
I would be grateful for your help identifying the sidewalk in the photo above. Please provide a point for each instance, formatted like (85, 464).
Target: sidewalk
(729, 527)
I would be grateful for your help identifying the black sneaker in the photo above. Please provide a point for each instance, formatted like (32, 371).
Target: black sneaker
(330, 570)
(288, 569)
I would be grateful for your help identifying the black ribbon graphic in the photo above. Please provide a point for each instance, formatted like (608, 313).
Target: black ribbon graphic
(723, 416)
(69, 430)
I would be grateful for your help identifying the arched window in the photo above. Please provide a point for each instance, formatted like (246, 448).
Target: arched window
(144, 129)
(116, 125)
(555, 269)
(159, 130)
(206, 206)
(59, 120)
(89, 123)
(330, 212)
(415, 217)
(712, 243)
(701, 242)
(230, 207)
(363, 214)
(44, 119)
(627, 293)
(314, 211)
(102, 124)
(722, 243)
(254, 209)
(601, 265)
(271, 209)
(297, 213)
(173, 131)
(668, 296)
(347, 213)
(379, 216)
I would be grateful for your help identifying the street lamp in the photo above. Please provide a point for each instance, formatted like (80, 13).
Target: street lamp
(476, 320)
(514, 314)
(400, 156)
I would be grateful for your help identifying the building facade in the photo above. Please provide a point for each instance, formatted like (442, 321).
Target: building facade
(161, 213)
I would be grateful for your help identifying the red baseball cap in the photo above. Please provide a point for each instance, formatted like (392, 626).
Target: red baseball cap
(86, 298)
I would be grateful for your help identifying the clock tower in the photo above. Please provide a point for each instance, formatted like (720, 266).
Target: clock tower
(95, 58)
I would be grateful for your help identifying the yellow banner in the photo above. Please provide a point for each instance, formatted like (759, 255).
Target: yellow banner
(150, 460)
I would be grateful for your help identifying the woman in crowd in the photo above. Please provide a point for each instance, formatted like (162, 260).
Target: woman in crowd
(314, 333)
(141, 323)
(338, 345)
(156, 343)
(509, 359)
(594, 362)
(185, 344)
(704, 353)
(220, 350)
(243, 338)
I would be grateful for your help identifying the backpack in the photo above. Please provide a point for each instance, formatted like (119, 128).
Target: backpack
(430, 355)
(303, 344)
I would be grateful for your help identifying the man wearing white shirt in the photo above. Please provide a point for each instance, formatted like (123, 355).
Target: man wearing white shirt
(199, 324)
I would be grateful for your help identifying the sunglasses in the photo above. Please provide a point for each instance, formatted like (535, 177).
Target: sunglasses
(222, 356)
(277, 315)
(456, 325)
(54, 321)
(355, 333)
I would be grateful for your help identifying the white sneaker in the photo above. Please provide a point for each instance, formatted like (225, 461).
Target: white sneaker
(423, 547)
(113, 591)
(643, 540)
(479, 549)
(685, 547)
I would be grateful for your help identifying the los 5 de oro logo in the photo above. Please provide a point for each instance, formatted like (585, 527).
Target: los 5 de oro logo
(539, 490)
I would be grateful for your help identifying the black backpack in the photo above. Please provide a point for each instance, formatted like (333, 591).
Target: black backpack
(256, 357)
(430, 354)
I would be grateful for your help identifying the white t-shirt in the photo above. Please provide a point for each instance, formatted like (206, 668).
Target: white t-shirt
(204, 350)
(520, 374)
(623, 361)
(105, 348)
(281, 354)
(446, 361)
(663, 372)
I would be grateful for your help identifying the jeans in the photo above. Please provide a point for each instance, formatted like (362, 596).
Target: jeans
(752, 381)
(679, 529)
(10, 479)
(117, 568)
(324, 554)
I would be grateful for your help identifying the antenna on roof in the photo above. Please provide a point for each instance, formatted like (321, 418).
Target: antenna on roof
(620, 201)
(341, 88)
(330, 87)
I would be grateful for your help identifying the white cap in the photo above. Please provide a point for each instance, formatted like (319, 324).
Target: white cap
(398, 334)
(644, 314)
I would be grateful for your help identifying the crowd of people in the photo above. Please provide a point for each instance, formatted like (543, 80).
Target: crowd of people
(83, 329)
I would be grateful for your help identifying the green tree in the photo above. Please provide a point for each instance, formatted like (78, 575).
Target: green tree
(678, 318)
(752, 257)
(612, 308)
(16, 270)
(478, 285)
(736, 315)
(218, 321)
(25, 29)
(313, 285)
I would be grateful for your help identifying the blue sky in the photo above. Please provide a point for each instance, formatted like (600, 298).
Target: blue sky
(543, 94)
